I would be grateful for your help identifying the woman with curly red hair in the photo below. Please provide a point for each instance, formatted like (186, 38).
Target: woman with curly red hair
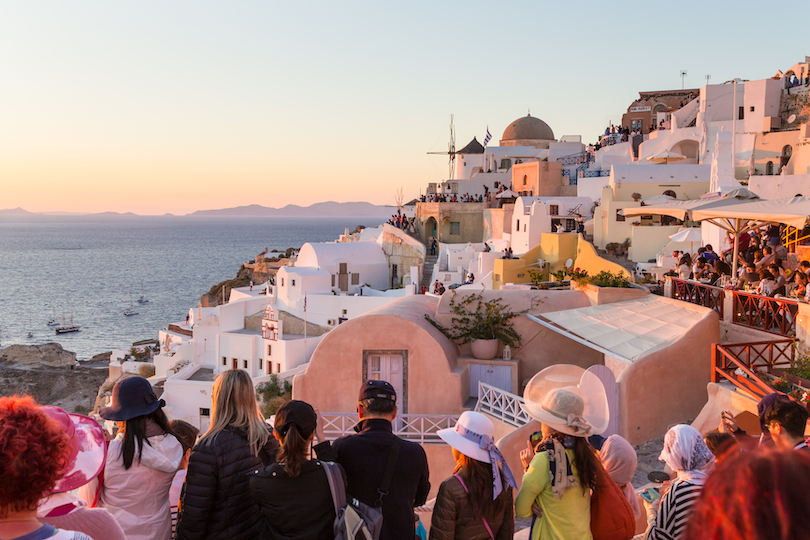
(34, 455)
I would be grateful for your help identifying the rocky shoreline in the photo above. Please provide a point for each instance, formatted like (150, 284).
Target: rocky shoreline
(52, 376)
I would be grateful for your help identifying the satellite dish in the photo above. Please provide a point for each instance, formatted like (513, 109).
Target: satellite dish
(791, 118)
(569, 262)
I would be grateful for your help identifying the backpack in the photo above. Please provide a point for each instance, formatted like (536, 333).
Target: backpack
(611, 515)
(354, 520)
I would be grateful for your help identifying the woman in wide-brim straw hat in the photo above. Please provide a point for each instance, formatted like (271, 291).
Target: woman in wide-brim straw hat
(571, 405)
(141, 462)
(476, 502)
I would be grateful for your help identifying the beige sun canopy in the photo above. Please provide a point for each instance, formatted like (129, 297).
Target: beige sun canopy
(625, 330)
(792, 212)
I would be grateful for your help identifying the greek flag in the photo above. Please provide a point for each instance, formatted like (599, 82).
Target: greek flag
(488, 137)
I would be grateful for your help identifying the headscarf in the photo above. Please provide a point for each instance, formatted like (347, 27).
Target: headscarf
(620, 461)
(559, 466)
(496, 459)
(686, 452)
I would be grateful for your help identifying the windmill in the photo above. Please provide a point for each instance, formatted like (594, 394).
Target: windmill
(451, 150)
(399, 200)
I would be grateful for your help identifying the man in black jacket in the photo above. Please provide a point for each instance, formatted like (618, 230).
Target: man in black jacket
(365, 456)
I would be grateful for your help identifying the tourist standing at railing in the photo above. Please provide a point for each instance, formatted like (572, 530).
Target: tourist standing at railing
(217, 503)
(141, 462)
(686, 453)
(293, 493)
(561, 467)
(475, 503)
(366, 456)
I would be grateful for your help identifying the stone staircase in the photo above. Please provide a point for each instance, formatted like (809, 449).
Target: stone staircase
(427, 270)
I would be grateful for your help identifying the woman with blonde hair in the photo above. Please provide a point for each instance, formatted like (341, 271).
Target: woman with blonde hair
(216, 501)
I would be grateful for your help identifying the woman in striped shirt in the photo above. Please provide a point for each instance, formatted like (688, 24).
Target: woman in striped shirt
(686, 453)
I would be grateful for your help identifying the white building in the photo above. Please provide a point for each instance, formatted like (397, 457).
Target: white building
(534, 216)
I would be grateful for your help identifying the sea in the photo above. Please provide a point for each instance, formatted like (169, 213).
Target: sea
(91, 266)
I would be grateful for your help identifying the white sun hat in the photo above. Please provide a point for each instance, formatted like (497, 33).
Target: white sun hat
(568, 399)
(458, 438)
(472, 436)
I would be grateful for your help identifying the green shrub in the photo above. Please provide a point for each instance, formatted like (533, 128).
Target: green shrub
(605, 278)
(488, 320)
(272, 395)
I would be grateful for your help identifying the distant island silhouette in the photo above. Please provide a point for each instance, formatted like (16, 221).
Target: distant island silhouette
(321, 209)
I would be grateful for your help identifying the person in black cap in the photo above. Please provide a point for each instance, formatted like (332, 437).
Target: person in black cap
(374, 450)
(293, 493)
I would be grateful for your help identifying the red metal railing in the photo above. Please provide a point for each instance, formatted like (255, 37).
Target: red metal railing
(695, 292)
(774, 315)
(743, 363)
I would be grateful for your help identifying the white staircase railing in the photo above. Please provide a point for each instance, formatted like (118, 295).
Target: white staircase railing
(419, 428)
(501, 405)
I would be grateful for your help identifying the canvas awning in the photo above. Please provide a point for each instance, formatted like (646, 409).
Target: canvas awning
(508, 194)
(792, 212)
(625, 330)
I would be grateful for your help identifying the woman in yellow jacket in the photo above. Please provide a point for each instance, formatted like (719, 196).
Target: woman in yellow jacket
(561, 468)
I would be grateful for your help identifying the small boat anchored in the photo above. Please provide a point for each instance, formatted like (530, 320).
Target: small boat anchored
(142, 299)
(53, 321)
(67, 328)
(130, 310)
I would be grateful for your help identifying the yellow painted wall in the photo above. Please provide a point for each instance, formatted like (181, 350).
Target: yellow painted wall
(588, 259)
(553, 248)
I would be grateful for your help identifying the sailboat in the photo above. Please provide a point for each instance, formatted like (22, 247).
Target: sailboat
(142, 299)
(53, 321)
(66, 328)
(130, 310)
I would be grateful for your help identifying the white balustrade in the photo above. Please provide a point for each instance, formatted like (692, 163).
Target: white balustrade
(501, 405)
(419, 428)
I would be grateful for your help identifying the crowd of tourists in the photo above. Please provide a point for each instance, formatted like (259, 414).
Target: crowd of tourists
(761, 266)
(401, 221)
(243, 479)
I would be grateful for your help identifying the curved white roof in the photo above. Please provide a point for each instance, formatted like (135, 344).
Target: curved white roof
(328, 255)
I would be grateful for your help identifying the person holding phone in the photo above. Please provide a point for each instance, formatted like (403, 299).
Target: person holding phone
(571, 405)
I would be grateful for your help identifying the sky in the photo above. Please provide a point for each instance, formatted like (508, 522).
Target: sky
(171, 107)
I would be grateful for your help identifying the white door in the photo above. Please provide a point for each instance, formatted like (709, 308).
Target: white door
(388, 367)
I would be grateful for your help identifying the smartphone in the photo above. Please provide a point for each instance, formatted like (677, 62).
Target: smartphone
(650, 495)
(535, 438)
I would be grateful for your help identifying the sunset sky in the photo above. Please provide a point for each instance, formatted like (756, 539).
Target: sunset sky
(155, 107)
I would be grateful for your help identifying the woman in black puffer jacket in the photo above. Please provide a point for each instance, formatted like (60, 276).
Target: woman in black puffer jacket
(217, 503)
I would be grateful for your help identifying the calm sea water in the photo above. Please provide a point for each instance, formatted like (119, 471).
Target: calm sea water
(90, 265)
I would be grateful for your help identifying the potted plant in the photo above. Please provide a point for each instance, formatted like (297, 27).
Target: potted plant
(636, 197)
(482, 324)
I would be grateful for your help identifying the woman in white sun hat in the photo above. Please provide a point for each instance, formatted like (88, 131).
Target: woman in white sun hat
(571, 405)
(476, 502)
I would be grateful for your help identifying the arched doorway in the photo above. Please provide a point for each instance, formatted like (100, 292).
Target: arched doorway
(787, 151)
(431, 229)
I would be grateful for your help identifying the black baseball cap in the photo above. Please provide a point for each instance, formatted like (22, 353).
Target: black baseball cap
(377, 390)
(299, 413)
